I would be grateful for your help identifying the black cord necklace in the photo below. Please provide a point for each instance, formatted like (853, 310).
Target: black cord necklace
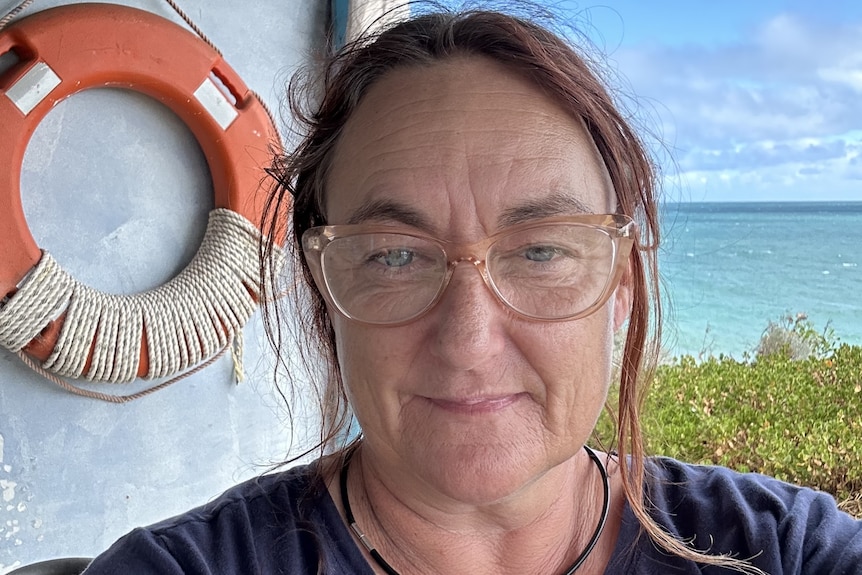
(345, 500)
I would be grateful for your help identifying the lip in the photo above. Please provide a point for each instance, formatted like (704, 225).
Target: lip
(477, 405)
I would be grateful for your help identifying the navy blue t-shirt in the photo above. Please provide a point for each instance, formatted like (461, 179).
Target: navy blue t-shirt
(276, 524)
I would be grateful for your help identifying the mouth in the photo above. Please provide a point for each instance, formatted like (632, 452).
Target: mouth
(477, 405)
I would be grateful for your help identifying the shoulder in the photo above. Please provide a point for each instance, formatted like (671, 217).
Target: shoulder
(283, 522)
(288, 496)
(673, 485)
(784, 528)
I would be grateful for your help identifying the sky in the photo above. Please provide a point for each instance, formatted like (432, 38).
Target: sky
(752, 100)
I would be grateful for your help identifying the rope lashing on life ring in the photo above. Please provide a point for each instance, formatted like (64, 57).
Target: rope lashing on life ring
(75, 330)
(185, 318)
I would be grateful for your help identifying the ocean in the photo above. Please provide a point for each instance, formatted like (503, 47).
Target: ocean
(729, 268)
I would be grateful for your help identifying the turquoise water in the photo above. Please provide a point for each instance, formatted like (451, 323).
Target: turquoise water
(729, 268)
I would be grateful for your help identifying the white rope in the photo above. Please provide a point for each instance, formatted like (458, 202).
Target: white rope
(186, 321)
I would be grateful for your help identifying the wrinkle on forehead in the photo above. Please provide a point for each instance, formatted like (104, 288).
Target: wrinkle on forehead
(606, 175)
(462, 147)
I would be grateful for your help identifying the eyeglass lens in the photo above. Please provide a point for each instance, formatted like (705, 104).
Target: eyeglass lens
(546, 272)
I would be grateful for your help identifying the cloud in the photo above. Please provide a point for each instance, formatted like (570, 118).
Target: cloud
(788, 95)
(853, 171)
(810, 171)
(762, 154)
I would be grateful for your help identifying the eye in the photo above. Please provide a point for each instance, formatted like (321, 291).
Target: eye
(394, 258)
(541, 253)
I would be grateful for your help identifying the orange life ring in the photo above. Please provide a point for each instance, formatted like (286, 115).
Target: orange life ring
(71, 48)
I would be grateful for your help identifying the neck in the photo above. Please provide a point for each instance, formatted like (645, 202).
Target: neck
(531, 533)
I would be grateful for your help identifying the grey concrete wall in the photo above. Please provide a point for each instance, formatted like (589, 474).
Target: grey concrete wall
(116, 188)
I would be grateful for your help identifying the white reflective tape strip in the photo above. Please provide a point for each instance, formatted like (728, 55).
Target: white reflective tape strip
(216, 104)
(33, 87)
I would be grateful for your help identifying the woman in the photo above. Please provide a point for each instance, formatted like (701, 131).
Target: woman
(473, 221)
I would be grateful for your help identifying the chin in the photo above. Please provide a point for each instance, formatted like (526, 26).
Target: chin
(484, 473)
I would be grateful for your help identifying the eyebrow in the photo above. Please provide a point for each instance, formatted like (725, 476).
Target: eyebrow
(388, 210)
(553, 205)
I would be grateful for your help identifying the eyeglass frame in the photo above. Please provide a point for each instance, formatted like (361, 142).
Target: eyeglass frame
(621, 229)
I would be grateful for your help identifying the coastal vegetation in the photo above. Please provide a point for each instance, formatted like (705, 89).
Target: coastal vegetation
(791, 408)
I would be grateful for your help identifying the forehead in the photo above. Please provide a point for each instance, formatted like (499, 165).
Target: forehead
(464, 142)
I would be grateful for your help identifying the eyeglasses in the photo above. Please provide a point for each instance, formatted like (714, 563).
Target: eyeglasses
(554, 269)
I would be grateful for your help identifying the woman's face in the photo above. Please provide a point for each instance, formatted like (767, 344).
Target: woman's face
(470, 400)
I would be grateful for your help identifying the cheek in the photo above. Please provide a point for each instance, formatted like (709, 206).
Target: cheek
(348, 349)
(354, 351)
(573, 360)
(581, 345)
(372, 360)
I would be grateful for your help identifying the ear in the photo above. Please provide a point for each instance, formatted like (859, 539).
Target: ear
(623, 299)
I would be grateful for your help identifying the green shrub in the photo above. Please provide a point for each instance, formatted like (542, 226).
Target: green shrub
(794, 337)
(799, 420)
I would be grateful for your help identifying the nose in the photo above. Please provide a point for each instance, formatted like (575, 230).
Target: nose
(469, 320)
